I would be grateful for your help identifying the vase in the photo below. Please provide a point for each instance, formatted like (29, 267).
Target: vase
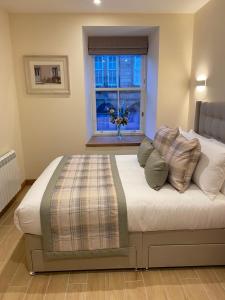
(119, 132)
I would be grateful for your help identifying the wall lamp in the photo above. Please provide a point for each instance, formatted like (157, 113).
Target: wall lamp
(201, 83)
(97, 2)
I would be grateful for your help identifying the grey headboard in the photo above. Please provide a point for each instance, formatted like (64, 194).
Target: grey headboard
(210, 120)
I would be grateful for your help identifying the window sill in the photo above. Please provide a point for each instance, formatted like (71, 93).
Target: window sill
(112, 141)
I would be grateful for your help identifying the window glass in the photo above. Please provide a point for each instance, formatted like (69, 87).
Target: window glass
(131, 101)
(118, 83)
(111, 71)
(106, 71)
(130, 71)
(104, 102)
(99, 71)
(137, 71)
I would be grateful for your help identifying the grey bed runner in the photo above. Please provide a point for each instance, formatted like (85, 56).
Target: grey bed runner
(83, 210)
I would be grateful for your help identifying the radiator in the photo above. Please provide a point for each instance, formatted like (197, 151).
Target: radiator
(9, 178)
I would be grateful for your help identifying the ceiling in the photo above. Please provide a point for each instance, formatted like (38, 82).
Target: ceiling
(107, 6)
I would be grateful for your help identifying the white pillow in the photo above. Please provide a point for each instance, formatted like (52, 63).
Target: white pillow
(209, 174)
(198, 136)
(223, 145)
(223, 189)
(194, 134)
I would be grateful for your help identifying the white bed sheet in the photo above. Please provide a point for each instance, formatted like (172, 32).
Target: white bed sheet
(148, 210)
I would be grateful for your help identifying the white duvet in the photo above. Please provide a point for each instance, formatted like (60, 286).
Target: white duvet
(148, 210)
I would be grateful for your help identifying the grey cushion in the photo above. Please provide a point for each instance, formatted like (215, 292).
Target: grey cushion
(156, 170)
(144, 151)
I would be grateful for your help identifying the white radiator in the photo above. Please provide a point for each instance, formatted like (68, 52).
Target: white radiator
(9, 178)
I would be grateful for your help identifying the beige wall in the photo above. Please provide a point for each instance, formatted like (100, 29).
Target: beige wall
(55, 126)
(208, 54)
(10, 136)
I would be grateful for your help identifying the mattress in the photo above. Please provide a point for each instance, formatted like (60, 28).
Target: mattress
(148, 210)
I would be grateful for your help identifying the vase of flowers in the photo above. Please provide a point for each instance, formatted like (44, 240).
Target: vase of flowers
(119, 119)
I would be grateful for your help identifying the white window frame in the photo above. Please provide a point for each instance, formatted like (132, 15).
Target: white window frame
(142, 89)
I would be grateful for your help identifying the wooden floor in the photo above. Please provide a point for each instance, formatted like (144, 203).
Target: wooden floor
(160, 284)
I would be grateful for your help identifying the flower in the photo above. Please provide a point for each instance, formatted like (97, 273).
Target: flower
(119, 118)
(119, 121)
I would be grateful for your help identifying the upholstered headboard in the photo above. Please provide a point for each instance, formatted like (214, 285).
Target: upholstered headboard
(210, 120)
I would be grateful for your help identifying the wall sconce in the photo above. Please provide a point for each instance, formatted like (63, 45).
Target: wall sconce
(201, 83)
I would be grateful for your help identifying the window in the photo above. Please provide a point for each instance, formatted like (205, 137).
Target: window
(119, 83)
(99, 71)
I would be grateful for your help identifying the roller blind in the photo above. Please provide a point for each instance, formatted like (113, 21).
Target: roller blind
(117, 45)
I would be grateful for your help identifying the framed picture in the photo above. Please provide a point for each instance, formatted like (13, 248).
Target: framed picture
(47, 74)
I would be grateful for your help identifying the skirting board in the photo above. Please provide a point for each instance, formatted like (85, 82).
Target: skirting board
(29, 181)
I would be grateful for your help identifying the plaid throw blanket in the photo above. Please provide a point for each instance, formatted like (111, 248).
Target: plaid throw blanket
(83, 210)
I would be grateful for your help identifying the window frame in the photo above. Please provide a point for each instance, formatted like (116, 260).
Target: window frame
(142, 90)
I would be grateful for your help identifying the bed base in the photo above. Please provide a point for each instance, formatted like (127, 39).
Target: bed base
(146, 250)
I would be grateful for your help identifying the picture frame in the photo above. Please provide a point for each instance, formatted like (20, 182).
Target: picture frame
(47, 74)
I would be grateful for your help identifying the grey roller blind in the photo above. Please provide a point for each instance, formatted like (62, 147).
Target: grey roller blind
(117, 45)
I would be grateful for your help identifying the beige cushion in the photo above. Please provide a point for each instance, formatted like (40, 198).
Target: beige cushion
(144, 151)
(182, 159)
(164, 138)
(156, 170)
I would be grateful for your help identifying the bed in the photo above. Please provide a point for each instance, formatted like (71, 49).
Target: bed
(165, 229)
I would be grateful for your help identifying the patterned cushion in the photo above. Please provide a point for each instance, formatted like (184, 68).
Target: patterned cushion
(164, 138)
(156, 170)
(182, 159)
(144, 151)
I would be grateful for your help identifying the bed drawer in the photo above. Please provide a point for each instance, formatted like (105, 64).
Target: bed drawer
(40, 264)
(186, 255)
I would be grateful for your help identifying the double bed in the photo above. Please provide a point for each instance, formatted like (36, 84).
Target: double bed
(165, 228)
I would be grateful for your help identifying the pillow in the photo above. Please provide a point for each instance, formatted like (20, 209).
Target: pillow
(192, 134)
(209, 183)
(223, 189)
(210, 171)
(164, 138)
(182, 159)
(222, 145)
(182, 131)
(156, 170)
(144, 151)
